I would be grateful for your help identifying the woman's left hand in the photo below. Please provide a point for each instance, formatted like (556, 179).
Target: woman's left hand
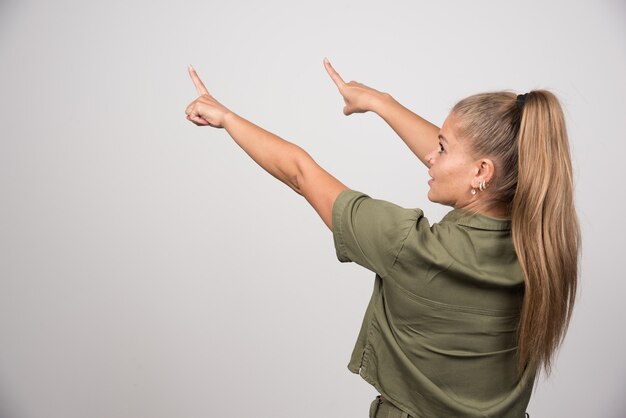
(205, 110)
(358, 97)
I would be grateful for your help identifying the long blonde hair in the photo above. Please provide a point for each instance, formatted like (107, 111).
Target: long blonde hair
(528, 143)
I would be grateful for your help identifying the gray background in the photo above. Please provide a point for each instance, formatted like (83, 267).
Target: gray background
(149, 269)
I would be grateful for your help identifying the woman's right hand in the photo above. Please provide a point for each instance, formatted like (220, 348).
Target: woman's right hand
(358, 97)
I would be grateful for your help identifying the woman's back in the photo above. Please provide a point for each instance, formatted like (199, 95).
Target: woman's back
(439, 336)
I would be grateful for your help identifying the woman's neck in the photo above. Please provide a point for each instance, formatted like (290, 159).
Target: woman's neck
(498, 211)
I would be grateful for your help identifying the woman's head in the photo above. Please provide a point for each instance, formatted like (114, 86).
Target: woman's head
(520, 149)
(481, 133)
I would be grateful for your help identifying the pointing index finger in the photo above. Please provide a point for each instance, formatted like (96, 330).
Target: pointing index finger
(333, 74)
(197, 82)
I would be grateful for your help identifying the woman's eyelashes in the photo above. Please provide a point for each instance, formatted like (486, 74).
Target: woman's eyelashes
(440, 148)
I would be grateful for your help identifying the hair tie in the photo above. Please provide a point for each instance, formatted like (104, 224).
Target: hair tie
(521, 100)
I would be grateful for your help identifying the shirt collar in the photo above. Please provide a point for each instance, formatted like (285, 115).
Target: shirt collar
(477, 220)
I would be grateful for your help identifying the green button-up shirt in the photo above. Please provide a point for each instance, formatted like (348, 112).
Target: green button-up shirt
(439, 334)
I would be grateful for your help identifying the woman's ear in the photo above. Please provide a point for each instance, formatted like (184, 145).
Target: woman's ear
(485, 170)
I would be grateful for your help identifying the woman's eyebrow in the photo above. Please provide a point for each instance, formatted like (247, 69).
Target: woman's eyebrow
(442, 138)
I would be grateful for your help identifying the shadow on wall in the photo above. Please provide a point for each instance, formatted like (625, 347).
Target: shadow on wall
(6, 407)
(7, 9)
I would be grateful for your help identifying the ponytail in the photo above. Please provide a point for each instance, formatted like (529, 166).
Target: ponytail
(545, 229)
(528, 142)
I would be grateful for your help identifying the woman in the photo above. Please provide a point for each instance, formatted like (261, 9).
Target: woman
(465, 312)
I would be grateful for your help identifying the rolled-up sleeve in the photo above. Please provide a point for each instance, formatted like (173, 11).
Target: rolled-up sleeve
(370, 232)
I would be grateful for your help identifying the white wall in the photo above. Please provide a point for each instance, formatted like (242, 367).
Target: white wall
(149, 269)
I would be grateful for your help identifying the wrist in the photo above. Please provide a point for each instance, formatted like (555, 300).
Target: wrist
(380, 101)
(228, 119)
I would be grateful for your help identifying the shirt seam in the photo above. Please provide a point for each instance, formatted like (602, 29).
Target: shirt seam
(457, 308)
(339, 233)
(406, 236)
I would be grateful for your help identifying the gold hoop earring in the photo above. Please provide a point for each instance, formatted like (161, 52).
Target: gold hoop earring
(482, 185)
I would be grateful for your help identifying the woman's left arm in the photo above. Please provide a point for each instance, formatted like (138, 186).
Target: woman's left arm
(286, 161)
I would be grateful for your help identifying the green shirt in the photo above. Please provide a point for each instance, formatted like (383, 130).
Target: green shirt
(439, 334)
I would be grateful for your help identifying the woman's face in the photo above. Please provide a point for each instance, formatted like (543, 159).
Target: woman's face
(452, 169)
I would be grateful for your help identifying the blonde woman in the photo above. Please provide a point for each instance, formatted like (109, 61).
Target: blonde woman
(465, 312)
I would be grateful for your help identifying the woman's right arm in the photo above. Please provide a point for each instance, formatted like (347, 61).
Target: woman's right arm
(417, 133)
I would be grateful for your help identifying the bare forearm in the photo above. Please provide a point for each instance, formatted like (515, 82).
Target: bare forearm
(417, 133)
(282, 159)
(288, 163)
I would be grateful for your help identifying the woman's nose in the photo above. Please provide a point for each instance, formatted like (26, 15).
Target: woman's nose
(430, 159)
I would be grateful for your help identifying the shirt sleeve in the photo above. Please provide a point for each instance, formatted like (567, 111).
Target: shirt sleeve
(370, 232)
